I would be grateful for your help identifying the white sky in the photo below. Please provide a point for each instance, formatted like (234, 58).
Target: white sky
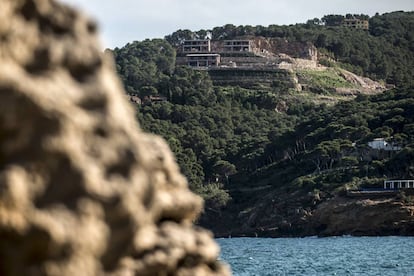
(123, 21)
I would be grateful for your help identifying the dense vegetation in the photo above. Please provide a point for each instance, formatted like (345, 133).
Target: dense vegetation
(233, 137)
(384, 52)
(330, 147)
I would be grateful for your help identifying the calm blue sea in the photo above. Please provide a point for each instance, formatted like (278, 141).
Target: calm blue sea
(319, 256)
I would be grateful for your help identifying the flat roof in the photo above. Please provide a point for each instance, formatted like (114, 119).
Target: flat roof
(196, 40)
(202, 55)
(238, 40)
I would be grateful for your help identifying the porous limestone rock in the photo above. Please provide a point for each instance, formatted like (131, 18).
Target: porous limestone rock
(82, 190)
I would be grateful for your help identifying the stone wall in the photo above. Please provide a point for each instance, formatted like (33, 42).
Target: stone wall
(82, 190)
(253, 77)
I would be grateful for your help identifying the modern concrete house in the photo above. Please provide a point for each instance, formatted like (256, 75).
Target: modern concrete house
(381, 144)
(356, 23)
(237, 46)
(399, 184)
(203, 60)
(191, 46)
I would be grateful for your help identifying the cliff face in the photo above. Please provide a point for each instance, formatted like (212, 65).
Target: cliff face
(364, 217)
(83, 190)
(281, 214)
(277, 46)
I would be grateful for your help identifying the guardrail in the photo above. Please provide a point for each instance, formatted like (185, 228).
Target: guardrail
(399, 184)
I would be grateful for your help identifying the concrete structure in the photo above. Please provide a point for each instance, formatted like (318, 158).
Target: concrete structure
(134, 99)
(356, 23)
(399, 184)
(201, 45)
(381, 144)
(237, 46)
(153, 99)
(203, 60)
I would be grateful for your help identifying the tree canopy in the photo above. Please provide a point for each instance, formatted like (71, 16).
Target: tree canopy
(227, 136)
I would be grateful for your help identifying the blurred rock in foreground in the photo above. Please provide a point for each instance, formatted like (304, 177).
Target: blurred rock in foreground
(82, 190)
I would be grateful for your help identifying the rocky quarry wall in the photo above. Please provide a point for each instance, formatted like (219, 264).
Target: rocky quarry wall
(276, 46)
(82, 190)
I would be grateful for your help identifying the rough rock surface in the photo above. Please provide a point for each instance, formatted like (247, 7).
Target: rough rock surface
(344, 216)
(298, 213)
(82, 190)
(368, 86)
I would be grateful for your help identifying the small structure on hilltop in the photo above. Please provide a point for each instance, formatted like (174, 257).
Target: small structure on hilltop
(153, 99)
(381, 144)
(356, 23)
(398, 184)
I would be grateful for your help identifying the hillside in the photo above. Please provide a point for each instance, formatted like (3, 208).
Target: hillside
(318, 162)
(269, 142)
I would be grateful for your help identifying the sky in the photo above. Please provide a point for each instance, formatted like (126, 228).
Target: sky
(123, 21)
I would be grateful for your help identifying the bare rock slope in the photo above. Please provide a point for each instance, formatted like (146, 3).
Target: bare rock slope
(82, 190)
(375, 217)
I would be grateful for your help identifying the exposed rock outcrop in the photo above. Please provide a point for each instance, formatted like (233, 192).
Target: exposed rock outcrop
(386, 216)
(82, 190)
(297, 213)
(367, 85)
(279, 46)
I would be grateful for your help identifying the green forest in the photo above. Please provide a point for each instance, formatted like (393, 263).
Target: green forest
(227, 137)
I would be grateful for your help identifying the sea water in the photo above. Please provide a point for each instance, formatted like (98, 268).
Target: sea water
(319, 256)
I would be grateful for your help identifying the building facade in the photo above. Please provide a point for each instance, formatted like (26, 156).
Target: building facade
(237, 46)
(356, 23)
(381, 144)
(203, 60)
(191, 46)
